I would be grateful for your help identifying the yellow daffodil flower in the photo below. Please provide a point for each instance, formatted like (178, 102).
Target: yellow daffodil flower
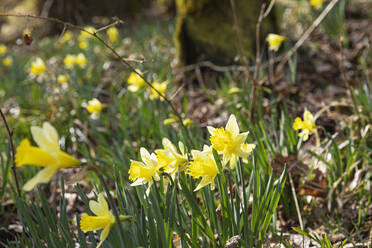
(307, 125)
(113, 34)
(203, 165)
(316, 3)
(47, 155)
(67, 36)
(234, 90)
(81, 60)
(104, 218)
(7, 61)
(94, 106)
(38, 67)
(144, 172)
(169, 159)
(135, 81)
(229, 142)
(187, 122)
(83, 45)
(169, 121)
(62, 79)
(69, 61)
(3, 49)
(84, 35)
(274, 41)
(161, 87)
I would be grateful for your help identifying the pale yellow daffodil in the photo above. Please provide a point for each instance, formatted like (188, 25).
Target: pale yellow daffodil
(307, 125)
(94, 106)
(160, 87)
(67, 36)
(316, 3)
(38, 67)
(136, 82)
(234, 90)
(69, 61)
(62, 79)
(203, 165)
(47, 155)
(3, 49)
(81, 60)
(7, 61)
(229, 142)
(170, 160)
(274, 41)
(144, 172)
(113, 34)
(104, 218)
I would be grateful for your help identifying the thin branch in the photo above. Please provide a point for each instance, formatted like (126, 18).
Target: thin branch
(113, 51)
(303, 38)
(295, 200)
(243, 57)
(10, 136)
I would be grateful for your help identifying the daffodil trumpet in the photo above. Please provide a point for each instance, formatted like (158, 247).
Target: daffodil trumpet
(47, 155)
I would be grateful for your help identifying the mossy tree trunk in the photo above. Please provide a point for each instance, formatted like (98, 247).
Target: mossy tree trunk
(205, 30)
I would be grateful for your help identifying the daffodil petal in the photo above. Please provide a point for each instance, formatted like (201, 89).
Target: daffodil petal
(105, 232)
(67, 161)
(211, 130)
(51, 133)
(42, 176)
(42, 139)
(145, 155)
(96, 208)
(232, 125)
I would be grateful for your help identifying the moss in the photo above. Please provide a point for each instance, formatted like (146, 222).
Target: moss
(205, 30)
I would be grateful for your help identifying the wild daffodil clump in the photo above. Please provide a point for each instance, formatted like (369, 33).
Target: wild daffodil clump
(227, 141)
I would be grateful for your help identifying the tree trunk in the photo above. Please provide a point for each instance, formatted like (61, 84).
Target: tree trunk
(205, 30)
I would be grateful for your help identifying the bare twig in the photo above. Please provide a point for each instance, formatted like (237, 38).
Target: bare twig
(113, 51)
(303, 38)
(243, 57)
(10, 136)
(295, 201)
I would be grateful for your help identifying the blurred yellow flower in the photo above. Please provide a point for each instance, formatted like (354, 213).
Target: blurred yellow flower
(187, 122)
(307, 125)
(161, 87)
(62, 79)
(47, 155)
(67, 36)
(84, 35)
(234, 90)
(135, 81)
(316, 3)
(203, 165)
(104, 218)
(37, 67)
(7, 61)
(83, 45)
(169, 159)
(274, 41)
(169, 121)
(3, 49)
(229, 142)
(113, 34)
(69, 61)
(144, 172)
(94, 106)
(81, 60)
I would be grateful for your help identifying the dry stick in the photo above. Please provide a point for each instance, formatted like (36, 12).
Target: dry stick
(10, 136)
(123, 61)
(263, 14)
(303, 37)
(244, 58)
(295, 200)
